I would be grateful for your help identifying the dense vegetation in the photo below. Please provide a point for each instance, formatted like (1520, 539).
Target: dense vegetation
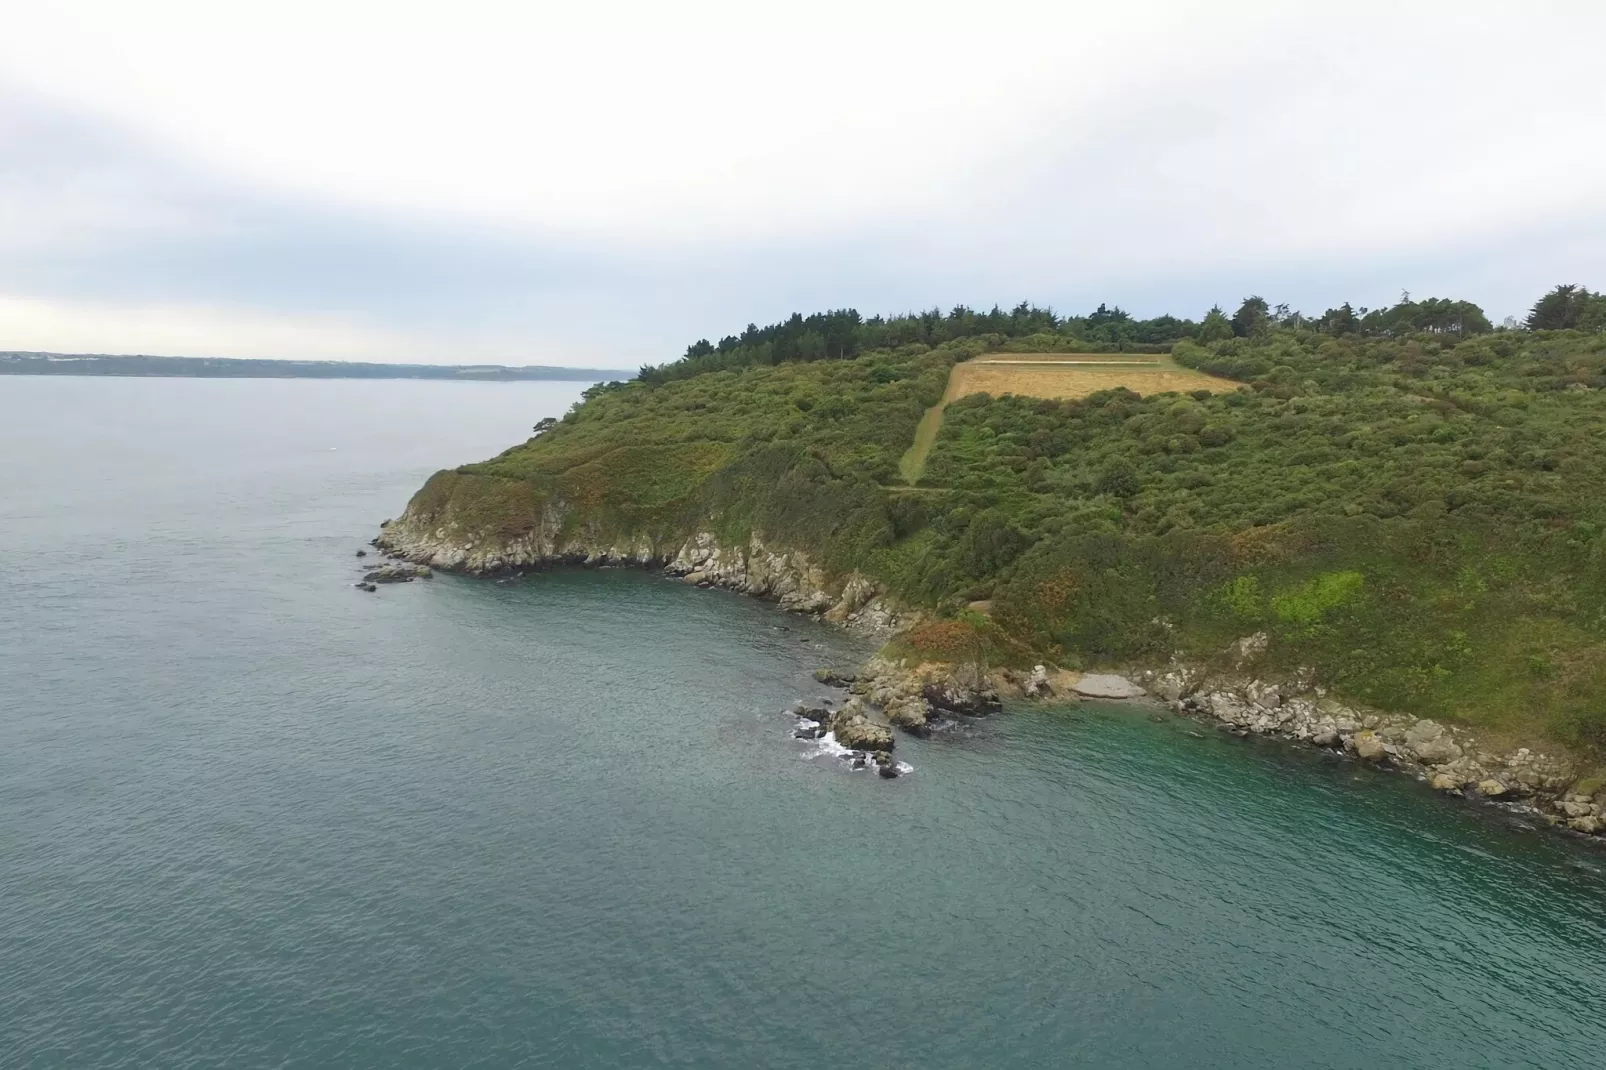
(1412, 505)
(843, 334)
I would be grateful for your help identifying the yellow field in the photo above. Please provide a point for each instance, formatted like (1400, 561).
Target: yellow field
(1052, 375)
(1074, 375)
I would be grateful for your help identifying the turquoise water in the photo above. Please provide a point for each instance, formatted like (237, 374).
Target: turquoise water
(250, 816)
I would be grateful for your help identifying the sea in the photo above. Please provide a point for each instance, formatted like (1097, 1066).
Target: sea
(253, 816)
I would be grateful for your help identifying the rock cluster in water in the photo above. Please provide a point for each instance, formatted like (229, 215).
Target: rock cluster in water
(397, 573)
(867, 741)
(918, 698)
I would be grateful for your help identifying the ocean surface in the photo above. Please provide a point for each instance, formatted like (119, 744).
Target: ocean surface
(251, 816)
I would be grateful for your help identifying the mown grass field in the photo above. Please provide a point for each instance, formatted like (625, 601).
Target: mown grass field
(1058, 376)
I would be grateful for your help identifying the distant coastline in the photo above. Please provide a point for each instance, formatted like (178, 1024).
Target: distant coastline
(15, 363)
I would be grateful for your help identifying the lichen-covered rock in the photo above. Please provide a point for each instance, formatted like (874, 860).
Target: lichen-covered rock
(957, 696)
(913, 715)
(1491, 788)
(1445, 782)
(1431, 743)
(853, 728)
(1369, 745)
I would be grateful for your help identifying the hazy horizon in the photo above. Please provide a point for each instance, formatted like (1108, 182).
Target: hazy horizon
(518, 184)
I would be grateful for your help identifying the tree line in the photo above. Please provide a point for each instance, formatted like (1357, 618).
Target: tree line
(842, 334)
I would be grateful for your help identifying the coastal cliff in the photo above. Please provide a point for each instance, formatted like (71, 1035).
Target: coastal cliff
(1400, 518)
(433, 532)
(914, 695)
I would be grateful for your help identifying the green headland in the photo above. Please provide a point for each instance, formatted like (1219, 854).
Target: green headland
(1409, 502)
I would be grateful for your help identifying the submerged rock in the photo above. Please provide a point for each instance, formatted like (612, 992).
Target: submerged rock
(397, 573)
(1097, 685)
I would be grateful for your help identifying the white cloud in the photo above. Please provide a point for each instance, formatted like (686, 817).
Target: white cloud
(604, 132)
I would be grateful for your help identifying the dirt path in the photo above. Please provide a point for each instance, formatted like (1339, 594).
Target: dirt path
(912, 465)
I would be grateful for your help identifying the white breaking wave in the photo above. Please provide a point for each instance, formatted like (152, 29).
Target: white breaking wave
(827, 746)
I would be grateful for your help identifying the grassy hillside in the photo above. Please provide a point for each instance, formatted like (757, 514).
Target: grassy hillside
(1417, 518)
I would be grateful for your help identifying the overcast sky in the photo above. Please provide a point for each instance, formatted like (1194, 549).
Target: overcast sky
(470, 181)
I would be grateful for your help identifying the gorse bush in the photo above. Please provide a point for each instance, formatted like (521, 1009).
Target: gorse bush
(1404, 501)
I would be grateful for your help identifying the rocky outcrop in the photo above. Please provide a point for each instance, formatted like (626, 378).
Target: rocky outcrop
(914, 697)
(853, 728)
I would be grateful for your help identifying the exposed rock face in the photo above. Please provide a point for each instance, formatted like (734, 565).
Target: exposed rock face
(853, 728)
(1036, 684)
(912, 697)
(786, 576)
(1099, 685)
(958, 696)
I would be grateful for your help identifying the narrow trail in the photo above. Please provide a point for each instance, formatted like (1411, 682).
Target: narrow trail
(912, 465)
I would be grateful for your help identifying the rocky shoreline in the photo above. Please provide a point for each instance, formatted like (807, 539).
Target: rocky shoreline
(1544, 788)
(785, 576)
(922, 698)
(1450, 758)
